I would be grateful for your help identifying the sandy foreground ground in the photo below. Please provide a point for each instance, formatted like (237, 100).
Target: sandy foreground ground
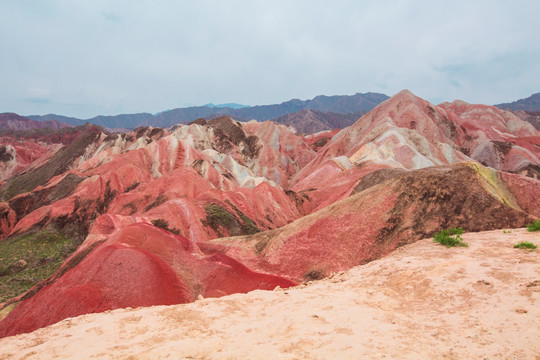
(423, 301)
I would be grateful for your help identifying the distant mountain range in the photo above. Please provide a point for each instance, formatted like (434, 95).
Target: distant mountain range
(312, 121)
(14, 122)
(532, 103)
(339, 104)
(526, 109)
(307, 116)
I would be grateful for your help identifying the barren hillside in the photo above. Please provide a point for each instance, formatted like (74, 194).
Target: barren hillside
(422, 301)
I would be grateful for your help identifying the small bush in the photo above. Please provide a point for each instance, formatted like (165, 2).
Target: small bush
(445, 237)
(535, 226)
(525, 245)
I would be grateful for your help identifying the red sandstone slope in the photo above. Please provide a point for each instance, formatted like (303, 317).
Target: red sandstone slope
(178, 180)
(532, 117)
(26, 144)
(224, 178)
(378, 219)
(17, 156)
(407, 132)
(138, 265)
(408, 305)
(176, 177)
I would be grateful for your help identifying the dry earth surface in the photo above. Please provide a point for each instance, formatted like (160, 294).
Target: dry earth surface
(423, 301)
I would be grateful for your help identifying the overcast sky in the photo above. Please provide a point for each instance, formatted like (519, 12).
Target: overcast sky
(85, 58)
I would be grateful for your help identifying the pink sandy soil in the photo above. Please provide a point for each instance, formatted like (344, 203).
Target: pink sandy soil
(423, 301)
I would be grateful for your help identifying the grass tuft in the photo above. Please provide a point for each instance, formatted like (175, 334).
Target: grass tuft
(451, 237)
(535, 226)
(525, 245)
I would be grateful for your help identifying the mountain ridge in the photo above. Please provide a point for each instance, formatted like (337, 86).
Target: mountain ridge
(341, 104)
(15, 122)
(531, 103)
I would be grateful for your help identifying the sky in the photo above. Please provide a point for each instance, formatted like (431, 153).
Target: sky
(104, 57)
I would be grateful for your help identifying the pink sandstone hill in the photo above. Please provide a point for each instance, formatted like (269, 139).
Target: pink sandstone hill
(221, 207)
(138, 265)
(532, 117)
(423, 301)
(377, 220)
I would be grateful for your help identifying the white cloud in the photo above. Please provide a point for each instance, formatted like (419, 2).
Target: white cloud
(39, 95)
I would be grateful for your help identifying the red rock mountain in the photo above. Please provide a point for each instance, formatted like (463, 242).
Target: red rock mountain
(213, 208)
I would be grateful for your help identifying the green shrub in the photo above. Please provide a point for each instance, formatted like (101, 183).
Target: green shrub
(535, 226)
(525, 245)
(445, 237)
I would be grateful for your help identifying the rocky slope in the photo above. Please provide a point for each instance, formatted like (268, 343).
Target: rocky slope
(422, 301)
(218, 207)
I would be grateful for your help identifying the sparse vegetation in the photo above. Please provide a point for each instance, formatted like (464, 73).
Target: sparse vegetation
(248, 226)
(451, 237)
(218, 217)
(28, 259)
(535, 226)
(132, 186)
(525, 245)
(164, 224)
(157, 201)
(108, 197)
(507, 231)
